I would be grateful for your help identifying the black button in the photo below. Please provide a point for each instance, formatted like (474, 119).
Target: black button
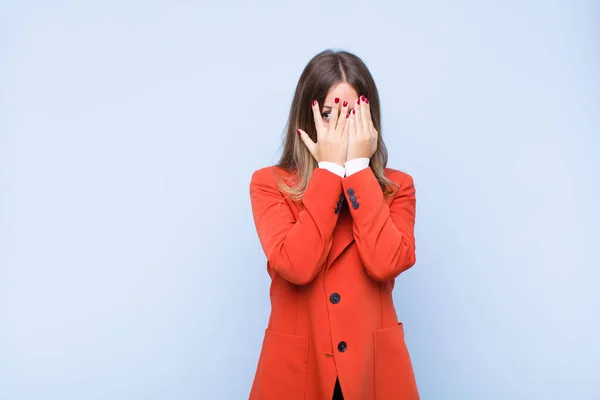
(353, 198)
(350, 191)
(339, 204)
(355, 205)
(342, 346)
(334, 298)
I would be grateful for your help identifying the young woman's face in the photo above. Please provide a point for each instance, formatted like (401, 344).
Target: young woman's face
(345, 92)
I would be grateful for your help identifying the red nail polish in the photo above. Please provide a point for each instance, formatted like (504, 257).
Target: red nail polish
(345, 103)
(366, 100)
(298, 130)
(362, 97)
(337, 100)
(347, 115)
(353, 111)
(314, 102)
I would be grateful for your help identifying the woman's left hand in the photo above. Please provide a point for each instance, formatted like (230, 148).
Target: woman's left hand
(362, 136)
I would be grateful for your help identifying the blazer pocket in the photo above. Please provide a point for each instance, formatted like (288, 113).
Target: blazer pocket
(394, 375)
(282, 367)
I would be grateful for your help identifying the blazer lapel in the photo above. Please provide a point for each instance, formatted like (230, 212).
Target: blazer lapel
(343, 235)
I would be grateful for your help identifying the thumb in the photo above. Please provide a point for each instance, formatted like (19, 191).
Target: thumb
(310, 145)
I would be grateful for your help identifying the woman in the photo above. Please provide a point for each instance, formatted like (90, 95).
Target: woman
(337, 227)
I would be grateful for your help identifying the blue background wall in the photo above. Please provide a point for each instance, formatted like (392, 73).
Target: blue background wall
(129, 263)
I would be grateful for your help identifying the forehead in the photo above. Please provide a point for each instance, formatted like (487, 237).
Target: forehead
(342, 90)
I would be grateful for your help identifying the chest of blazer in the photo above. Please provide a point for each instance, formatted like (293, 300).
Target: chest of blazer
(332, 258)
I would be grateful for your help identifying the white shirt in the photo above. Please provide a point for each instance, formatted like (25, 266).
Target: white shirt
(349, 167)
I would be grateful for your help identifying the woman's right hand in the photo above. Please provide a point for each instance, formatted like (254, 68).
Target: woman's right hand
(332, 140)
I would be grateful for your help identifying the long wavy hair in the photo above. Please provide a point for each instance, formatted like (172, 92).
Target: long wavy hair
(325, 70)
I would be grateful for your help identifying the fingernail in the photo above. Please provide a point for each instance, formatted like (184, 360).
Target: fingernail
(362, 97)
(347, 115)
(353, 111)
(314, 102)
(345, 103)
(337, 100)
(298, 130)
(358, 101)
(366, 100)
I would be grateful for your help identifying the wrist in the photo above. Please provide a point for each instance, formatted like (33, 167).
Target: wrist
(333, 167)
(337, 162)
(357, 157)
(356, 164)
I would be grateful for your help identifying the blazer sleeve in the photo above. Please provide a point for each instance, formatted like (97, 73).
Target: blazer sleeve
(384, 234)
(296, 249)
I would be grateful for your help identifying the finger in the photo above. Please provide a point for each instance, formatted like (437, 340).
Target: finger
(346, 130)
(365, 113)
(318, 119)
(352, 131)
(358, 116)
(310, 145)
(343, 118)
(335, 111)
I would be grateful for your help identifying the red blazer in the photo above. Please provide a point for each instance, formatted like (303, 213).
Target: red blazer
(332, 259)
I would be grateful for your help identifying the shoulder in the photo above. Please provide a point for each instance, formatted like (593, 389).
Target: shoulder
(268, 175)
(402, 178)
